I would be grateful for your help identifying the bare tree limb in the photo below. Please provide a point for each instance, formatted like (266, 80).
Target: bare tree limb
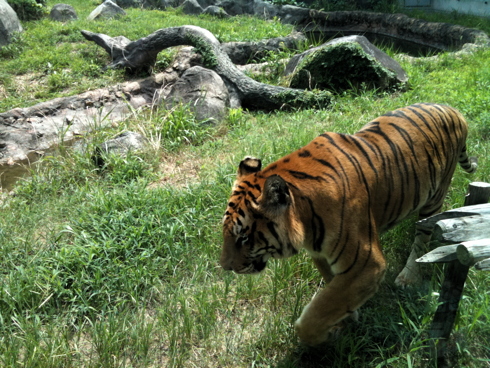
(142, 53)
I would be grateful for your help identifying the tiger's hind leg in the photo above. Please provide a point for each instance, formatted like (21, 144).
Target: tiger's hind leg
(411, 273)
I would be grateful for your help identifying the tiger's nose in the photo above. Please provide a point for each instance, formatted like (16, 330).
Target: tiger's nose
(226, 266)
(226, 262)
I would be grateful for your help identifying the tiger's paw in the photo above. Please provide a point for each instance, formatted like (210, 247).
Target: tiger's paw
(407, 278)
(314, 336)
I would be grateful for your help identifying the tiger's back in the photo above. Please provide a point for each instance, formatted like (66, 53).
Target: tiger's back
(335, 195)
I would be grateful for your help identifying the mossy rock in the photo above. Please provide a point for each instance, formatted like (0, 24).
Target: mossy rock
(345, 63)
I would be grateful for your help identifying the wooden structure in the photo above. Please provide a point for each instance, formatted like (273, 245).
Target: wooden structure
(464, 238)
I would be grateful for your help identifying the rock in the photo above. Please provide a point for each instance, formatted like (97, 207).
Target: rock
(265, 10)
(204, 91)
(106, 10)
(158, 4)
(120, 145)
(205, 3)
(290, 14)
(243, 53)
(9, 23)
(128, 3)
(237, 7)
(191, 7)
(343, 63)
(216, 11)
(63, 13)
(27, 132)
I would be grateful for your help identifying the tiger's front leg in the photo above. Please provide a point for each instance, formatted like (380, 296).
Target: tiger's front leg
(340, 299)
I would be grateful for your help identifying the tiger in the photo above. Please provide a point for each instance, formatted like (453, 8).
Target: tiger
(334, 196)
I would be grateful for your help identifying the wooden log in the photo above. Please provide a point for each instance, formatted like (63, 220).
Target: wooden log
(442, 254)
(468, 253)
(452, 287)
(483, 265)
(455, 274)
(473, 210)
(460, 229)
(478, 192)
(473, 251)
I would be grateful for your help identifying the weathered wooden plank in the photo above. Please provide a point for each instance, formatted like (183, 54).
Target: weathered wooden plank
(457, 230)
(442, 254)
(474, 210)
(470, 253)
(478, 192)
(452, 287)
(483, 265)
(455, 274)
(473, 251)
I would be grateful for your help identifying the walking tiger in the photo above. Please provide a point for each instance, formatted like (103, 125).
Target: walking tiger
(334, 196)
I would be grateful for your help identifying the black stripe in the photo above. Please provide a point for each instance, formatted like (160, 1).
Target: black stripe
(302, 175)
(270, 168)
(353, 262)
(317, 226)
(304, 153)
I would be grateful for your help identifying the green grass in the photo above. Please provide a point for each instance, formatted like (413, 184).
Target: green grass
(118, 266)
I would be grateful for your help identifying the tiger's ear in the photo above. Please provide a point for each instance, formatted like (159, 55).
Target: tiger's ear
(275, 197)
(249, 165)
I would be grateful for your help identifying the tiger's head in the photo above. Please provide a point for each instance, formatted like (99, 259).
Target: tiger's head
(260, 221)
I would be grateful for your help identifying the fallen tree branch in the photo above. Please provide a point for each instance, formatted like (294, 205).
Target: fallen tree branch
(142, 53)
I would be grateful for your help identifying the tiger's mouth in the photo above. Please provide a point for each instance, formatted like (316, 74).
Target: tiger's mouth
(254, 267)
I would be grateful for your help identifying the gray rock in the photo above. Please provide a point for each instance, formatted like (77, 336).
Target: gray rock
(216, 11)
(264, 9)
(27, 133)
(128, 3)
(63, 13)
(158, 4)
(205, 3)
(205, 93)
(237, 7)
(120, 145)
(9, 23)
(191, 7)
(107, 9)
(243, 53)
(343, 63)
(290, 14)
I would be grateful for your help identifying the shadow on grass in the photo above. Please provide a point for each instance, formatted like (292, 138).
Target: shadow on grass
(391, 331)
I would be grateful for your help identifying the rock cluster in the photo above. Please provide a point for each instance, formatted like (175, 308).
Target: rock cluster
(26, 133)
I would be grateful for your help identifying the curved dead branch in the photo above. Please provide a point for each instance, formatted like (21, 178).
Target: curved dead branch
(141, 54)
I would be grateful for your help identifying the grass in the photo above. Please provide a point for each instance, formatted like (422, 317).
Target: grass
(118, 267)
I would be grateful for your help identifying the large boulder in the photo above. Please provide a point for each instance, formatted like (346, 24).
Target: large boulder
(9, 23)
(106, 10)
(63, 13)
(191, 7)
(344, 63)
(205, 93)
(216, 11)
(266, 10)
(237, 7)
